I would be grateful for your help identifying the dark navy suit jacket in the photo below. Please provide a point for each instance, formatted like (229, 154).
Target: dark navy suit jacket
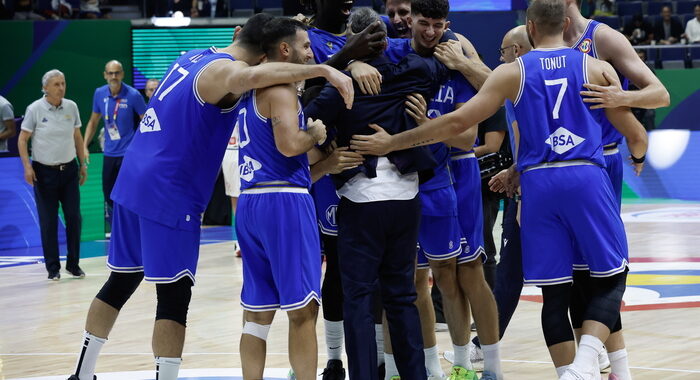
(412, 74)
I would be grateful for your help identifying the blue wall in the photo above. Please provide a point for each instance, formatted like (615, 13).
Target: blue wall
(485, 30)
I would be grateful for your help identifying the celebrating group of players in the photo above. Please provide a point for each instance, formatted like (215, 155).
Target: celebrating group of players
(378, 164)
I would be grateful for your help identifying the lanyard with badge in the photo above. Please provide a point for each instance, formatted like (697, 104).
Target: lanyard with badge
(112, 126)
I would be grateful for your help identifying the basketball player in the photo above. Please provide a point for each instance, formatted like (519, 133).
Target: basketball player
(560, 158)
(165, 183)
(279, 272)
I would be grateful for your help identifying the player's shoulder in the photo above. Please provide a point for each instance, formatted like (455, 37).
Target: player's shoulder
(281, 92)
(609, 41)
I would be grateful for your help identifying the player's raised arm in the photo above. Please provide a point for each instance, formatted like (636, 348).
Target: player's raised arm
(614, 47)
(502, 84)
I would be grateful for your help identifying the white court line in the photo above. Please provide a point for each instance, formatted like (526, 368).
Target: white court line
(285, 354)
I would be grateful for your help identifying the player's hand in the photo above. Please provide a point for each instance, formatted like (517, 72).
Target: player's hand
(302, 19)
(368, 42)
(377, 144)
(368, 78)
(317, 130)
(499, 182)
(450, 54)
(610, 96)
(29, 175)
(83, 174)
(637, 167)
(342, 159)
(342, 82)
(417, 108)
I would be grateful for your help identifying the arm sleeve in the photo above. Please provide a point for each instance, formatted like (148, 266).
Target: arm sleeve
(6, 112)
(29, 122)
(327, 106)
(97, 104)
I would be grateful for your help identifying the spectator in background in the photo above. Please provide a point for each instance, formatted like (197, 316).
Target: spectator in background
(151, 86)
(692, 28)
(398, 12)
(604, 8)
(24, 10)
(667, 30)
(187, 7)
(122, 107)
(53, 124)
(638, 31)
(8, 129)
(90, 9)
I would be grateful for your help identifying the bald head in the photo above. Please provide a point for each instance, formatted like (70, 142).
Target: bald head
(515, 43)
(113, 64)
(114, 74)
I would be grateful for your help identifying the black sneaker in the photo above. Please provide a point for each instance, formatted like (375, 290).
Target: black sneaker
(75, 377)
(382, 370)
(77, 272)
(54, 276)
(334, 370)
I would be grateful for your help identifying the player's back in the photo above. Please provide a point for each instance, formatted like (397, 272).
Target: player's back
(170, 167)
(259, 161)
(554, 122)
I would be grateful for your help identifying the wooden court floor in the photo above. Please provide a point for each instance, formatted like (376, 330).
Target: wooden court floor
(41, 322)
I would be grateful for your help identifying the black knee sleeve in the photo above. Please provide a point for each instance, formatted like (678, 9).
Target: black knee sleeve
(580, 297)
(174, 300)
(118, 288)
(606, 299)
(618, 324)
(555, 314)
(332, 289)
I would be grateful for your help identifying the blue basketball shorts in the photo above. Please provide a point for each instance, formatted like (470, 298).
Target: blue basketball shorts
(279, 238)
(469, 208)
(165, 254)
(439, 236)
(613, 166)
(569, 214)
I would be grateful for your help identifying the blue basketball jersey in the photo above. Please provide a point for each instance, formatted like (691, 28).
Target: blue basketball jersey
(170, 167)
(260, 164)
(586, 45)
(325, 44)
(510, 119)
(554, 122)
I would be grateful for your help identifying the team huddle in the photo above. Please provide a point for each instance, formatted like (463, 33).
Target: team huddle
(375, 168)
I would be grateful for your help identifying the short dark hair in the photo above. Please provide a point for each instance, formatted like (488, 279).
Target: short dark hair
(279, 29)
(436, 9)
(251, 34)
(548, 15)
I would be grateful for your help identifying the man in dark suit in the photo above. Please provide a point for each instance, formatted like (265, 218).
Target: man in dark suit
(667, 29)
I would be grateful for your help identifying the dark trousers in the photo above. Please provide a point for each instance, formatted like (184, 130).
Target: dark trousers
(490, 202)
(331, 290)
(110, 170)
(54, 185)
(509, 278)
(377, 247)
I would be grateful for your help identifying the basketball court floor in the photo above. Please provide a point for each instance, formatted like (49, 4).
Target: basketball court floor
(41, 321)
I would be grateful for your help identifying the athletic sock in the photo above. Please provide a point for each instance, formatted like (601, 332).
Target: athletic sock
(85, 368)
(462, 356)
(390, 366)
(619, 365)
(334, 339)
(167, 368)
(561, 370)
(379, 338)
(492, 358)
(432, 362)
(586, 359)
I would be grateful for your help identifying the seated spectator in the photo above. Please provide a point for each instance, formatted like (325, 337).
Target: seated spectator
(638, 31)
(25, 10)
(604, 8)
(90, 9)
(667, 30)
(692, 28)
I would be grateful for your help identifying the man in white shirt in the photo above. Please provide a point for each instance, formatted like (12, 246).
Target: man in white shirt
(692, 28)
(7, 123)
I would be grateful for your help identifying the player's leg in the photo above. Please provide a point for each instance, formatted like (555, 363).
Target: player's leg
(332, 292)
(170, 325)
(253, 345)
(424, 304)
(124, 259)
(303, 349)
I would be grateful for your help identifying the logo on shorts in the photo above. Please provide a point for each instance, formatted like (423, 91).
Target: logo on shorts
(150, 122)
(330, 215)
(585, 46)
(248, 167)
(562, 140)
(451, 245)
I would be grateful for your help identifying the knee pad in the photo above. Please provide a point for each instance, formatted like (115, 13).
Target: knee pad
(555, 314)
(618, 324)
(174, 300)
(118, 288)
(579, 297)
(606, 299)
(256, 330)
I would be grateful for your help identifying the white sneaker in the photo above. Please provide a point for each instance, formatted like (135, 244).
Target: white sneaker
(476, 356)
(449, 356)
(440, 327)
(603, 360)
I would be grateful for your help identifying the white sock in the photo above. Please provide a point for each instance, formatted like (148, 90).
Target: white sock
(462, 356)
(492, 358)
(334, 339)
(90, 350)
(390, 366)
(379, 338)
(619, 365)
(586, 359)
(432, 362)
(167, 368)
(561, 370)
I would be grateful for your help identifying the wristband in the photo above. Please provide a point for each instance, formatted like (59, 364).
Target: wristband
(638, 160)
